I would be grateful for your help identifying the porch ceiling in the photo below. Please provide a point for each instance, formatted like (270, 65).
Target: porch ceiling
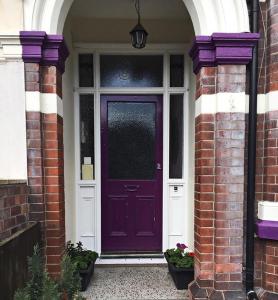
(109, 21)
(124, 9)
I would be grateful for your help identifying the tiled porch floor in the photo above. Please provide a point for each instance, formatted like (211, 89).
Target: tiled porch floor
(132, 283)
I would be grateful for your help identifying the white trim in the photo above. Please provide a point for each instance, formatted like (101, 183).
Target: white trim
(44, 102)
(267, 102)
(221, 102)
(32, 101)
(130, 261)
(10, 48)
(207, 16)
(95, 185)
(51, 104)
(235, 102)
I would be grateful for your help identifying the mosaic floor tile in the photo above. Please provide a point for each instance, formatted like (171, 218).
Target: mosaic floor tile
(133, 283)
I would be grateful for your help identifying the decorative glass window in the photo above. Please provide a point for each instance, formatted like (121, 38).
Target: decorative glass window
(176, 136)
(176, 70)
(131, 140)
(131, 70)
(87, 152)
(86, 70)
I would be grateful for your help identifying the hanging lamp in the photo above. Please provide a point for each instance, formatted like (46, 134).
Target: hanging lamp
(138, 33)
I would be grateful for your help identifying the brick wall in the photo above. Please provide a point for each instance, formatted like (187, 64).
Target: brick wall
(266, 251)
(219, 186)
(13, 208)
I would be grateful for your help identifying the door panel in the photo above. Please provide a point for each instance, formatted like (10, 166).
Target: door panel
(131, 143)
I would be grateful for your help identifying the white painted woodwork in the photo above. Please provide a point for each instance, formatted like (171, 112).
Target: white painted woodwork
(177, 206)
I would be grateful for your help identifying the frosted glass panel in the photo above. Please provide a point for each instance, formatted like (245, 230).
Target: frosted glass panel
(87, 137)
(176, 70)
(176, 136)
(131, 140)
(131, 70)
(86, 70)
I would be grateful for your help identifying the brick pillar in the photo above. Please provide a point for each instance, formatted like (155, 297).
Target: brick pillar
(219, 164)
(266, 258)
(53, 155)
(34, 146)
(204, 184)
(44, 56)
(229, 181)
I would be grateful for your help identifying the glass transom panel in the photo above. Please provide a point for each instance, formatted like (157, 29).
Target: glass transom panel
(131, 70)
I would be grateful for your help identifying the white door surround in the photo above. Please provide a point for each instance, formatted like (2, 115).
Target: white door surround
(178, 196)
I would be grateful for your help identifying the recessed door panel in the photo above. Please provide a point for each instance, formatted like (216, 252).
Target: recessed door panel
(118, 214)
(145, 206)
(131, 150)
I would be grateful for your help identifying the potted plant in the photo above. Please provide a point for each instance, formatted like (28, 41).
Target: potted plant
(180, 265)
(84, 260)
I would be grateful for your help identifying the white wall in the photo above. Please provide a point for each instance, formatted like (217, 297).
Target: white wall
(191, 155)
(11, 16)
(69, 145)
(13, 159)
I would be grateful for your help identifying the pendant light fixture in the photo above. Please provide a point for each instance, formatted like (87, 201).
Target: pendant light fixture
(138, 33)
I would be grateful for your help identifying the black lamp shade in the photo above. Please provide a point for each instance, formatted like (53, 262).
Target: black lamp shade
(138, 36)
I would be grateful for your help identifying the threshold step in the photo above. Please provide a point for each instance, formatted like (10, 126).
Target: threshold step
(131, 255)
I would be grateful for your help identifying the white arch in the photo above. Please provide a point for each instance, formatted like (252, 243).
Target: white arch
(208, 16)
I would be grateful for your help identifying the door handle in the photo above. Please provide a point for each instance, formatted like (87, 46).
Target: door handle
(131, 188)
(158, 166)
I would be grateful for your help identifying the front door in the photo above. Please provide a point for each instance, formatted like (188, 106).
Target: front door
(131, 166)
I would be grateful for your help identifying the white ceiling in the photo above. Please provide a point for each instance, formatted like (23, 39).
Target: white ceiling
(124, 9)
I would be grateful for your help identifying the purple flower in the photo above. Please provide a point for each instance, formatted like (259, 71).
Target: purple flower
(181, 247)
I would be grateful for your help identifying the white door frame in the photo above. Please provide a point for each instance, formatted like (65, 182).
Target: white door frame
(123, 49)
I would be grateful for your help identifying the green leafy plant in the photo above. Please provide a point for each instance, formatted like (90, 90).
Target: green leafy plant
(41, 287)
(79, 256)
(70, 280)
(179, 257)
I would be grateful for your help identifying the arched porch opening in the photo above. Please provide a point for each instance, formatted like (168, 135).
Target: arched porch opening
(220, 97)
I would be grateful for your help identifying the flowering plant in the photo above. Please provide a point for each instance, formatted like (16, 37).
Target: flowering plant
(179, 257)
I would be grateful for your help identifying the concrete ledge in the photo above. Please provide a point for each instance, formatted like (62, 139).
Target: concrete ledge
(12, 181)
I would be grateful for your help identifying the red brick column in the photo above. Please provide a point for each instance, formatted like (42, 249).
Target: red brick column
(34, 147)
(266, 258)
(44, 56)
(53, 154)
(229, 184)
(219, 187)
(220, 110)
(204, 184)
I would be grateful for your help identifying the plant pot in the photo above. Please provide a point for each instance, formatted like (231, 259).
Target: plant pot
(181, 276)
(86, 276)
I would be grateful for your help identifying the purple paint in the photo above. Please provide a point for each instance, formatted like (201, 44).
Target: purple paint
(55, 52)
(32, 42)
(131, 209)
(48, 50)
(267, 230)
(222, 48)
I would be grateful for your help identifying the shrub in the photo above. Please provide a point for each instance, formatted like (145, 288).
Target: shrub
(179, 257)
(41, 287)
(79, 256)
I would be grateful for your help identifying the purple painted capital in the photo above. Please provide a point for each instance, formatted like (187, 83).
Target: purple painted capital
(48, 50)
(222, 48)
(32, 42)
(267, 230)
(55, 52)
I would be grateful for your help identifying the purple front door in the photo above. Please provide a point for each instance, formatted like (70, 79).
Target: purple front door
(131, 166)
